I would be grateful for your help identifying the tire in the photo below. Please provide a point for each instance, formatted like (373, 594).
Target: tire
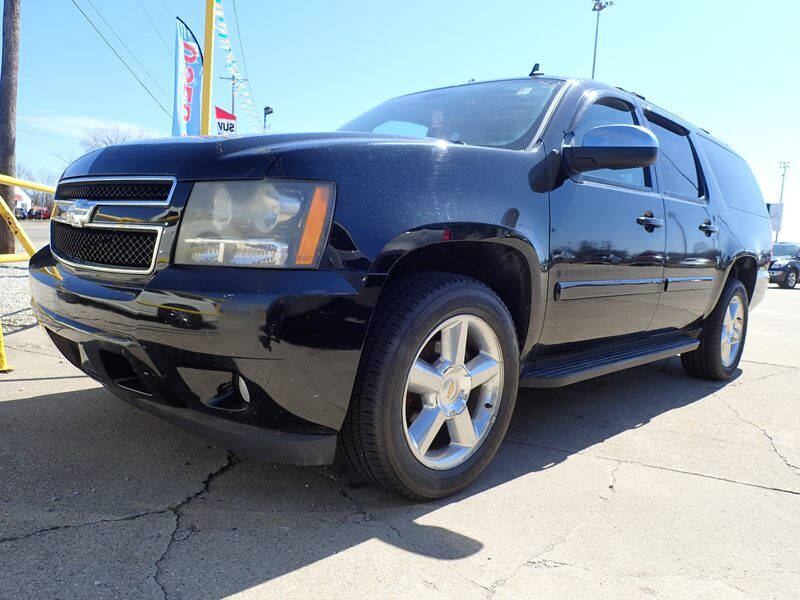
(376, 437)
(790, 280)
(708, 361)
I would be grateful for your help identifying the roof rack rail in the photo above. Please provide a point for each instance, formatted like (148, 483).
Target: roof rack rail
(632, 93)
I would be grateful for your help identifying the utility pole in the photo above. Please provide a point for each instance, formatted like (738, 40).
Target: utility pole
(233, 79)
(598, 6)
(783, 165)
(208, 69)
(8, 112)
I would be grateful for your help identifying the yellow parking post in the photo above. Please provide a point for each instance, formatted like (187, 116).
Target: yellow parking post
(4, 366)
(8, 216)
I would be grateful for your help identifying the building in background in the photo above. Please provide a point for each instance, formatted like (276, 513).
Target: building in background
(22, 199)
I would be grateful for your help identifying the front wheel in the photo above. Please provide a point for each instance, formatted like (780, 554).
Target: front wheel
(723, 336)
(436, 386)
(790, 280)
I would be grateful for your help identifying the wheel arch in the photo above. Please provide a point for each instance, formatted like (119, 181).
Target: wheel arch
(495, 255)
(744, 268)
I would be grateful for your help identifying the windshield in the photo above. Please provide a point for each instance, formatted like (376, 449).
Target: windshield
(785, 250)
(498, 114)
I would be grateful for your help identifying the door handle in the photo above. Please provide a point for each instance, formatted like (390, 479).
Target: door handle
(649, 222)
(708, 228)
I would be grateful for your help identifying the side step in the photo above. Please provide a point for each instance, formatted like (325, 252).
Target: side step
(564, 369)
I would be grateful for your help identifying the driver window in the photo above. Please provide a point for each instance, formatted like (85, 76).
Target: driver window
(611, 111)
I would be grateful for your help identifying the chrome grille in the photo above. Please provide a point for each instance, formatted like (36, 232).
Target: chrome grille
(115, 190)
(104, 247)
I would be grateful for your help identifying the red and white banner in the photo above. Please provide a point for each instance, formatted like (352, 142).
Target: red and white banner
(226, 122)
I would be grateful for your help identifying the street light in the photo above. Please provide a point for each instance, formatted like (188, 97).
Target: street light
(783, 165)
(598, 6)
(267, 111)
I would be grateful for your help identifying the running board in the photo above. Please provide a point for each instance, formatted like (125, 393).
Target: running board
(557, 371)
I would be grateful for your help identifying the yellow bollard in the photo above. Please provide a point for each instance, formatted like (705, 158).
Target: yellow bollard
(4, 366)
(7, 215)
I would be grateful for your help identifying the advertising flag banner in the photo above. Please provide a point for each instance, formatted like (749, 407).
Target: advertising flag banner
(188, 80)
(226, 122)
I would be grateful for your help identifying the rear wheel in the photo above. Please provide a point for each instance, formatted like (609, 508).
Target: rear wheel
(790, 280)
(436, 386)
(723, 336)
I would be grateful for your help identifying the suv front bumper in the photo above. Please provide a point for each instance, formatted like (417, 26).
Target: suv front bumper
(260, 362)
(777, 276)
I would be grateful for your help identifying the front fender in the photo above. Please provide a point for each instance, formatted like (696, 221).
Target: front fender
(446, 236)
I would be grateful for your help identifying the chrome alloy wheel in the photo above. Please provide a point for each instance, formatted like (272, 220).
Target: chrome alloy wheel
(732, 329)
(791, 279)
(453, 390)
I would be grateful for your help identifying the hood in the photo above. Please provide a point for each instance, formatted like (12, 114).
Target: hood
(197, 158)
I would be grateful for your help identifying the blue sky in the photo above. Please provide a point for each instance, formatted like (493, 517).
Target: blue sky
(730, 67)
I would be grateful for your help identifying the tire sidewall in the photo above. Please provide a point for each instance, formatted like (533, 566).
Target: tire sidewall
(788, 285)
(468, 299)
(734, 288)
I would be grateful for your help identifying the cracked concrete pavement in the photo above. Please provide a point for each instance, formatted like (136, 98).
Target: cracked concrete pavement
(640, 484)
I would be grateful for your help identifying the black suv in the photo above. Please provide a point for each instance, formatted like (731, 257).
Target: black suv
(785, 265)
(384, 289)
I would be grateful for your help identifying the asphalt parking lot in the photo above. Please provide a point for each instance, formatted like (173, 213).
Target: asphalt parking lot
(641, 484)
(38, 231)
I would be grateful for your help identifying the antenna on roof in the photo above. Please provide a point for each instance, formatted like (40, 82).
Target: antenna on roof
(535, 71)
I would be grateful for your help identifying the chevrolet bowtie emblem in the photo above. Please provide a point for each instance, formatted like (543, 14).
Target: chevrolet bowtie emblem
(77, 214)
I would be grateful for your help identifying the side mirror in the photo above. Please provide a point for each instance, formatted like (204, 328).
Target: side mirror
(612, 147)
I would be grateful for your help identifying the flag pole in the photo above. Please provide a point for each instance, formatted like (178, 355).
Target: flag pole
(208, 69)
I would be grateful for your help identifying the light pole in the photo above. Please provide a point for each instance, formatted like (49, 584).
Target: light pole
(598, 6)
(783, 165)
(268, 110)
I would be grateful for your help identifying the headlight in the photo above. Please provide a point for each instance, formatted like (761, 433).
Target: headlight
(268, 223)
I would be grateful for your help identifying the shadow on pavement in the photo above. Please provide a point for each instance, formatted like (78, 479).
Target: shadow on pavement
(81, 457)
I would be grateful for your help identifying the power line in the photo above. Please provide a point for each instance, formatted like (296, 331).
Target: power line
(194, 12)
(138, 62)
(166, 8)
(52, 135)
(239, 35)
(153, 25)
(241, 47)
(122, 60)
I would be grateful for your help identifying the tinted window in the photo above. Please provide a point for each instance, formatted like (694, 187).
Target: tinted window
(785, 250)
(676, 159)
(734, 178)
(609, 111)
(500, 114)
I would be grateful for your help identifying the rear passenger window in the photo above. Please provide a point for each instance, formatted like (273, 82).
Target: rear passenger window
(735, 179)
(676, 157)
(611, 111)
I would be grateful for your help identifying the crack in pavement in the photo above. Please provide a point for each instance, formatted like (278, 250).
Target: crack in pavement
(643, 464)
(29, 351)
(534, 561)
(132, 517)
(175, 509)
(360, 510)
(763, 431)
(756, 362)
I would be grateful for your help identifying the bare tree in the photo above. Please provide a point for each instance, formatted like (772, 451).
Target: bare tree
(44, 176)
(8, 110)
(109, 136)
(95, 139)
